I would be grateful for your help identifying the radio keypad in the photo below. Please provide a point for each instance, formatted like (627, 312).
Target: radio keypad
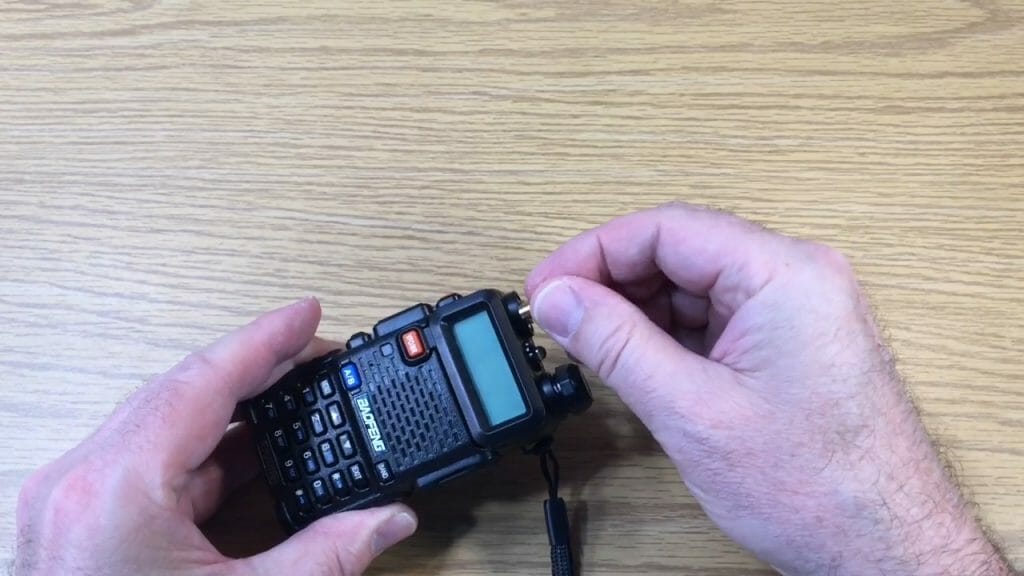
(319, 471)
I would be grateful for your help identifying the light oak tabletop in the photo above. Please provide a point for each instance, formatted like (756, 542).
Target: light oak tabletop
(170, 169)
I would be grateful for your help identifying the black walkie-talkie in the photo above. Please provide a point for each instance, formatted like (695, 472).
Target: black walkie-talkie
(434, 393)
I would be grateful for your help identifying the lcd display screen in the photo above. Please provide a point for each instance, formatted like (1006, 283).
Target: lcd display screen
(488, 369)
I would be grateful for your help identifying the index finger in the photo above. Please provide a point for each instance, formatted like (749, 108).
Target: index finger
(173, 423)
(704, 252)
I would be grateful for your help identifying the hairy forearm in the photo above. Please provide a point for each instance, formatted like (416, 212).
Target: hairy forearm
(943, 537)
(886, 503)
(917, 520)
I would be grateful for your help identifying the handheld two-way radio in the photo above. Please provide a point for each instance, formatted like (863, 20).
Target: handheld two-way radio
(434, 393)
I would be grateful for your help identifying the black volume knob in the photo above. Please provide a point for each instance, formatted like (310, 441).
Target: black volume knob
(566, 391)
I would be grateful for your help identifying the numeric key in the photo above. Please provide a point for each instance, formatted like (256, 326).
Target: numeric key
(320, 493)
(279, 440)
(309, 462)
(327, 453)
(316, 421)
(308, 395)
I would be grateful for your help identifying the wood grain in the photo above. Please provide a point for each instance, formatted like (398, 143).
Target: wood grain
(169, 169)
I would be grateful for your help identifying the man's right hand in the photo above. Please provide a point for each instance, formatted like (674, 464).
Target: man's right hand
(755, 361)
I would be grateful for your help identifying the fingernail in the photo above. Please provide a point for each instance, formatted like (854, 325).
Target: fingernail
(392, 531)
(558, 309)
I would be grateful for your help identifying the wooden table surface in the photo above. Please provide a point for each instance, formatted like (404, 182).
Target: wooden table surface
(169, 169)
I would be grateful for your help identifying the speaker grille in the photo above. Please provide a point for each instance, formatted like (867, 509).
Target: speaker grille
(416, 412)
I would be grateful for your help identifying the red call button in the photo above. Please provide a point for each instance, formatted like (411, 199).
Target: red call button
(412, 344)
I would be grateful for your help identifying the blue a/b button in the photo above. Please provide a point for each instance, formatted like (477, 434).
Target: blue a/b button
(350, 375)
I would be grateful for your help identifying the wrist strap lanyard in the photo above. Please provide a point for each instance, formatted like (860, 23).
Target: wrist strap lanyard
(555, 514)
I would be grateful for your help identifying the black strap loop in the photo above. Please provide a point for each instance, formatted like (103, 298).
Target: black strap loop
(555, 513)
(549, 468)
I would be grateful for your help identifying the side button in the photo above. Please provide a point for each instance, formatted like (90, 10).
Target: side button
(455, 470)
(448, 299)
(357, 340)
(393, 323)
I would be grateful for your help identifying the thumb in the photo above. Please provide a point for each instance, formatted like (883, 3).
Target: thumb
(339, 545)
(648, 369)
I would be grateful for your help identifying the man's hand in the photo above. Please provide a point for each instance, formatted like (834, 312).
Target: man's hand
(755, 361)
(129, 498)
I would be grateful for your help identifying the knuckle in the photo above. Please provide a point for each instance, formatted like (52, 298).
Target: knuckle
(32, 488)
(830, 259)
(53, 502)
(74, 493)
(198, 364)
(832, 273)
